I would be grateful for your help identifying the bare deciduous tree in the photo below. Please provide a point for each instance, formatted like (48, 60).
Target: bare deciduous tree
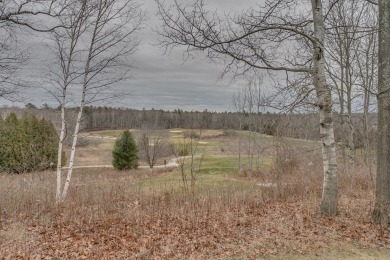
(39, 16)
(248, 103)
(190, 152)
(239, 104)
(152, 145)
(267, 38)
(66, 50)
(94, 55)
(352, 54)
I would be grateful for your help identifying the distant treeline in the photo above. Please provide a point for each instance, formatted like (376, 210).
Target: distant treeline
(303, 126)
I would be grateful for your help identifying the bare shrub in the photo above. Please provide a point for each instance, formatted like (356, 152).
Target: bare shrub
(86, 142)
(182, 149)
(104, 193)
(106, 204)
(191, 134)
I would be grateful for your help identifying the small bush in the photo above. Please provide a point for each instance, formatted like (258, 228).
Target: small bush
(269, 129)
(183, 149)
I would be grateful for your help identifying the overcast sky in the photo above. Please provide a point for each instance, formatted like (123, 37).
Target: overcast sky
(164, 81)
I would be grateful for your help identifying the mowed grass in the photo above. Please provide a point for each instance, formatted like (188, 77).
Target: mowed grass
(215, 160)
(213, 171)
(213, 165)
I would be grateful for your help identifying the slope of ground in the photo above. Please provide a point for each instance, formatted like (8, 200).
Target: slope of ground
(146, 214)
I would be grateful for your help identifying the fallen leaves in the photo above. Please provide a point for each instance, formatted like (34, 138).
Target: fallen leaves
(224, 232)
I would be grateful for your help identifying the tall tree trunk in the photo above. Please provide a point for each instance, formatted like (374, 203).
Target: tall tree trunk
(348, 81)
(82, 104)
(351, 128)
(328, 205)
(60, 148)
(72, 153)
(342, 110)
(382, 200)
(366, 138)
(239, 147)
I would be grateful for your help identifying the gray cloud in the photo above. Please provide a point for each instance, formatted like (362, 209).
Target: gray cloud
(161, 81)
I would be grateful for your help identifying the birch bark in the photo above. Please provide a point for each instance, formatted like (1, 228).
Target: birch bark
(66, 64)
(109, 30)
(328, 205)
(82, 102)
(60, 148)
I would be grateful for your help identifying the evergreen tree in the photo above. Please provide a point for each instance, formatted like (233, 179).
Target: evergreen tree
(1, 140)
(125, 152)
(14, 145)
(33, 131)
(50, 144)
(27, 144)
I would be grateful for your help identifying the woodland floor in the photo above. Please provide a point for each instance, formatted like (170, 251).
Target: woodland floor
(274, 231)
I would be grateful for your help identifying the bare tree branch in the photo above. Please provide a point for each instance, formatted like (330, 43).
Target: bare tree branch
(39, 16)
(254, 39)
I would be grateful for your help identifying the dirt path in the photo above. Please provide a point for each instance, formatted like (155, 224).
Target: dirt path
(100, 137)
(170, 163)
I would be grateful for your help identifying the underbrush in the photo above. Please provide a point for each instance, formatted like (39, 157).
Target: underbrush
(110, 214)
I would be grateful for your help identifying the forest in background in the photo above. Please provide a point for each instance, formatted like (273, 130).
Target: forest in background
(300, 126)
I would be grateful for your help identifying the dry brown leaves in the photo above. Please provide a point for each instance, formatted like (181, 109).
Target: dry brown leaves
(251, 231)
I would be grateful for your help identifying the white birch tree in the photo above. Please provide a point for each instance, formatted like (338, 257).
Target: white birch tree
(268, 38)
(66, 73)
(94, 55)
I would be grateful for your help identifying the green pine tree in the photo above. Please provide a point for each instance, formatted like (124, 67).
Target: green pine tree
(50, 144)
(27, 144)
(14, 145)
(34, 136)
(125, 152)
(1, 141)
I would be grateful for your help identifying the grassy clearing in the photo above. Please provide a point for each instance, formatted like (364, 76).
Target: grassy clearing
(256, 136)
(228, 164)
(96, 149)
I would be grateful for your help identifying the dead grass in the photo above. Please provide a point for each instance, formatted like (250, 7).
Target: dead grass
(111, 214)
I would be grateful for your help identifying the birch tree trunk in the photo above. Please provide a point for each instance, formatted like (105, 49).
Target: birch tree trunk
(382, 192)
(73, 150)
(82, 102)
(60, 148)
(328, 205)
(66, 66)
